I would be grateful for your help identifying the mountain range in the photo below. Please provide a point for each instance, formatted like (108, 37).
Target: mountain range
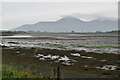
(68, 24)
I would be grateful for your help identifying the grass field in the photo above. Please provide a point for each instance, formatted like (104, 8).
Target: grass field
(13, 72)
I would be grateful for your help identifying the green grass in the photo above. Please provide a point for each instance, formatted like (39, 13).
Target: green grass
(0, 71)
(14, 72)
(99, 46)
(6, 34)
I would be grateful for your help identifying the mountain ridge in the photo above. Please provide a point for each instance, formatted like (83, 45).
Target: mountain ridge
(67, 24)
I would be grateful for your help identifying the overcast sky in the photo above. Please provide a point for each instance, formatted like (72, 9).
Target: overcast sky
(19, 13)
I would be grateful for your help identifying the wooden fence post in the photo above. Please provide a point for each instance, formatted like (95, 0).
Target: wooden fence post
(58, 73)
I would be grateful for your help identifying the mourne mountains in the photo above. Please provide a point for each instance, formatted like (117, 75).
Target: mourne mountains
(68, 24)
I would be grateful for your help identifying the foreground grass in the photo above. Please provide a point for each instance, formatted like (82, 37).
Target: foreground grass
(14, 72)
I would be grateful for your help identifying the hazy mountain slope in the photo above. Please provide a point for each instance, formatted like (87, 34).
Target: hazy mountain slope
(69, 24)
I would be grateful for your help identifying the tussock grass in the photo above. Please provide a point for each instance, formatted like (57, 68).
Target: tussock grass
(14, 72)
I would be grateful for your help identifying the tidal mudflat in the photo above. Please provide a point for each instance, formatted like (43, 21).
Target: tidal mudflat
(78, 56)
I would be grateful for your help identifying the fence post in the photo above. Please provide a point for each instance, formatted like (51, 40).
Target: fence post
(58, 73)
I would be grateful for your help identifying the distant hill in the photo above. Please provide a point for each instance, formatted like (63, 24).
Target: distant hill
(68, 24)
(115, 31)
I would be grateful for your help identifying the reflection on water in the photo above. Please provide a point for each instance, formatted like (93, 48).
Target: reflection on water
(16, 36)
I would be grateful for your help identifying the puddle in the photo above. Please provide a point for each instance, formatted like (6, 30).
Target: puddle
(108, 67)
(75, 54)
(56, 58)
